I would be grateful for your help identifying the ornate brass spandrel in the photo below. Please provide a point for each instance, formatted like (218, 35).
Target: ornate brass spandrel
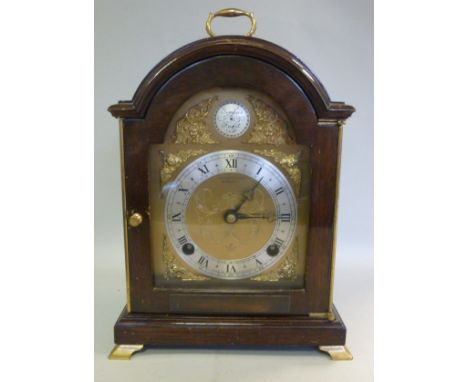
(269, 127)
(173, 161)
(288, 162)
(172, 268)
(287, 269)
(193, 126)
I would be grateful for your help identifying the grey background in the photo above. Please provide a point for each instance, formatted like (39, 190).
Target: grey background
(335, 39)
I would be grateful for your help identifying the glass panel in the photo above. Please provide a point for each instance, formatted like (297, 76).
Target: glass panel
(229, 196)
(201, 236)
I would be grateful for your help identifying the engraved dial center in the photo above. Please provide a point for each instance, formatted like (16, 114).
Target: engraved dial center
(219, 230)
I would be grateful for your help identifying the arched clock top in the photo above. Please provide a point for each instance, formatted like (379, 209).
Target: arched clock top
(328, 112)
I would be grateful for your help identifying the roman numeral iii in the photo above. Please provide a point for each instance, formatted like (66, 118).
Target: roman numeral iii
(285, 218)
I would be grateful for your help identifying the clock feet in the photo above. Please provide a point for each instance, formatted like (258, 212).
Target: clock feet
(337, 353)
(124, 352)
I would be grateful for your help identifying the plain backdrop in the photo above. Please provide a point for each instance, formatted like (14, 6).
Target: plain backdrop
(334, 38)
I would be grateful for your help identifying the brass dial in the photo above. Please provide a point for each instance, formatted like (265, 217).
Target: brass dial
(231, 214)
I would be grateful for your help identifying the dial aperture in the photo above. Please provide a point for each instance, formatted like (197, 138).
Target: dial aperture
(232, 119)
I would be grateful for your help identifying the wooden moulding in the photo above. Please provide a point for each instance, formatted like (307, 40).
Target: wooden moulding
(231, 45)
(195, 330)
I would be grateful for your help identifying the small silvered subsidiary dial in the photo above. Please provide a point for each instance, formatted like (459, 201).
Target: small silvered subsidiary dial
(232, 119)
(231, 214)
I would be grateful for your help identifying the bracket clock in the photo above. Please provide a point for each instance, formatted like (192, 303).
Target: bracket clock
(230, 153)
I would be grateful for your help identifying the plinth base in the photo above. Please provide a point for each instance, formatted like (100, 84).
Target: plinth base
(133, 331)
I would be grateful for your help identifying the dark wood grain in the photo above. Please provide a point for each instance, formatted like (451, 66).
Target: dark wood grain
(176, 330)
(231, 45)
(264, 67)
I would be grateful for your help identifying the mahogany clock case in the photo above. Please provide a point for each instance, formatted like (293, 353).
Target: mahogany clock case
(156, 316)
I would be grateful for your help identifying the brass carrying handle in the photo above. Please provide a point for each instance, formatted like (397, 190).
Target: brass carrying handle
(231, 12)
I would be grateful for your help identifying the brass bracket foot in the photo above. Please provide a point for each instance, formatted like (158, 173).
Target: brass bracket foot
(124, 352)
(337, 353)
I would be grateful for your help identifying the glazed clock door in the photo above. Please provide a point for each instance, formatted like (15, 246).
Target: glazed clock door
(229, 198)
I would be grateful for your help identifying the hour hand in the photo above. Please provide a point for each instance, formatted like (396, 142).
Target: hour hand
(240, 216)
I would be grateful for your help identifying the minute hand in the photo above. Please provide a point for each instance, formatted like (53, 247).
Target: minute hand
(248, 195)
